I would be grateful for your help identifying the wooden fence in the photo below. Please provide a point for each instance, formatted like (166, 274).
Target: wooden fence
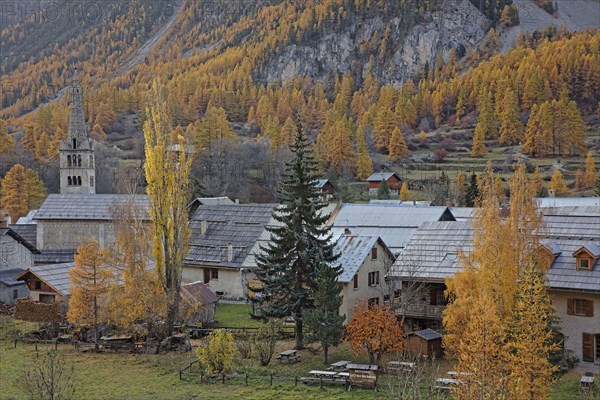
(198, 331)
(193, 371)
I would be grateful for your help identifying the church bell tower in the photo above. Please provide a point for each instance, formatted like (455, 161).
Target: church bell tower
(77, 163)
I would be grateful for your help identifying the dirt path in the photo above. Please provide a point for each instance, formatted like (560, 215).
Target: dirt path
(145, 50)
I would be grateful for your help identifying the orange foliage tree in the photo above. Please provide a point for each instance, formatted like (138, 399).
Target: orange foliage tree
(374, 330)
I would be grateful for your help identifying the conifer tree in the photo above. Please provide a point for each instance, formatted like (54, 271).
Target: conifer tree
(384, 124)
(486, 122)
(6, 141)
(383, 193)
(590, 170)
(538, 136)
(364, 162)
(472, 192)
(404, 192)
(91, 280)
(460, 189)
(35, 190)
(557, 183)
(537, 184)
(21, 190)
(579, 180)
(397, 146)
(511, 128)
(530, 339)
(323, 322)
(214, 126)
(478, 149)
(288, 265)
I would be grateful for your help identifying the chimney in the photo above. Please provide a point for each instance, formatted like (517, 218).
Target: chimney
(203, 227)
(229, 252)
(551, 193)
(347, 231)
(237, 201)
(449, 203)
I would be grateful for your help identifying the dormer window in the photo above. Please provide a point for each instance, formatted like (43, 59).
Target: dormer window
(586, 256)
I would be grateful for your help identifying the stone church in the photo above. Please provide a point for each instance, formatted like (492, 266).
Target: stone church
(77, 214)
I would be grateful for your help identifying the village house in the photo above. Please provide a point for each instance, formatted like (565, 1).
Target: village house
(222, 236)
(365, 261)
(47, 283)
(326, 188)
(394, 224)
(16, 255)
(198, 297)
(392, 180)
(572, 244)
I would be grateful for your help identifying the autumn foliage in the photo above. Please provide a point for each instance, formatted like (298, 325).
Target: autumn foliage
(374, 330)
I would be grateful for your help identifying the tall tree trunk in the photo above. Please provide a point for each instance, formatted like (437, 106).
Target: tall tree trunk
(325, 354)
(299, 335)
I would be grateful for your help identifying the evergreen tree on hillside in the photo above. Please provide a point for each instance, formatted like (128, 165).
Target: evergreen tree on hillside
(383, 193)
(299, 247)
(472, 191)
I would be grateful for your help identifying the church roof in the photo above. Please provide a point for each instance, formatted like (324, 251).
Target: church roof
(99, 207)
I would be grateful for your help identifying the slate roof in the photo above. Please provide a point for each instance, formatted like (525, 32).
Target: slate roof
(395, 225)
(214, 201)
(27, 232)
(431, 255)
(54, 256)
(568, 201)
(239, 225)
(353, 251)
(55, 275)
(87, 206)
(8, 277)
(427, 334)
(379, 176)
(401, 203)
(10, 232)
(462, 213)
(319, 183)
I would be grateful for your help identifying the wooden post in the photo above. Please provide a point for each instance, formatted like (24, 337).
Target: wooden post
(223, 377)
(271, 379)
(321, 381)
(295, 381)
(15, 343)
(36, 346)
(246, 379)
(55, 345)
(201, 376)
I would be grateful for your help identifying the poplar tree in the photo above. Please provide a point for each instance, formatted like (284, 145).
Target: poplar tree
(299, 247)
(167, 175)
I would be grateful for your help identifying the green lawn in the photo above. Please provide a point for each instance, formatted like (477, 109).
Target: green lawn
(237, 315)
(129, 376)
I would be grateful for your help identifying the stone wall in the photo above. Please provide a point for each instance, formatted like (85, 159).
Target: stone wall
(13, 254)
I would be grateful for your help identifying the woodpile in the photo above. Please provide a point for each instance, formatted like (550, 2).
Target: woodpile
(5, 309)
(29, 310)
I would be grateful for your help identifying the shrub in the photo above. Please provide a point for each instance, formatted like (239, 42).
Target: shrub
(243, 343)
(217, 356)
(439, 155)
(265, 340)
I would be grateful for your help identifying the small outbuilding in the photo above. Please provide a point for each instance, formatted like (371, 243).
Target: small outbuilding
(200, 303)
(426, 342)
(392, 180)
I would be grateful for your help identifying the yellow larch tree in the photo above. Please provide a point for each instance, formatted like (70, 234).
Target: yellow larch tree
(511, 128)
(404, 192)
(459, 188)
(397, 149)
(538, 135)
(478, 149)
(167, 175)
(91, 280)
(21, 190)
(35, 189)
(6, 141)
(579, 180)
(530, 339)
(364, 162)
(590, 170)
(214, 126)
(384, 126)
(557, 183)
(537, 183)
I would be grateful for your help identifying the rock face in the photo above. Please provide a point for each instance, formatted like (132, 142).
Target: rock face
(456, 23)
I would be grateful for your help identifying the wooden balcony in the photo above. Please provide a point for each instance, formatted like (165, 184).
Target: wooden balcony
(427, 311)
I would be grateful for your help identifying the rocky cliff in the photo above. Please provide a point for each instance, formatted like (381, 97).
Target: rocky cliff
(382, 44)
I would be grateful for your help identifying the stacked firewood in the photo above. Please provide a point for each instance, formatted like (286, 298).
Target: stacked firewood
(5, 309)
(29, 310)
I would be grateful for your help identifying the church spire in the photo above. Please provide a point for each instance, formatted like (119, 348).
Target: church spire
(77, 129)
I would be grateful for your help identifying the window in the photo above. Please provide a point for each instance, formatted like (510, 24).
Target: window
(374, 253)
(37, 285)
(91, 181)
(580, 307)
(374, 278)
(436, 296)
(355, 282)
(74, 143)
(69, 181)
(587, 347)
(91, 161)
(397, 293)
(79, 161)
(78, 181)
(15, 294)
(583, 263)
(374, 301)
(214, 273)
(69, 160)
(47, 298)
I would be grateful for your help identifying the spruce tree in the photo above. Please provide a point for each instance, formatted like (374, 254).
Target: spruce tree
(383, 193)
(472, 191)
(299, 246)
(323, 322)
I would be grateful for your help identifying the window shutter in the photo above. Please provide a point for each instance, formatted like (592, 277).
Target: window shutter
(570, 306)
(589, 308)
(588, 347)
(433, 296)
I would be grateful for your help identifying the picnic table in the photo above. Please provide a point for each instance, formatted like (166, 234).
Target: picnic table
(587, 381)
(398, 364)
(455, 373)
(340, 365)
(447, 381)
(324, 374)
(289, 356)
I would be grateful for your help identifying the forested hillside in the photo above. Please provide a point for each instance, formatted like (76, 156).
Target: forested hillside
(370, 79)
